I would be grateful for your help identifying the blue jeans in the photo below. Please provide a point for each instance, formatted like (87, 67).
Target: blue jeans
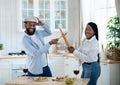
(46, 72)
(91, 71)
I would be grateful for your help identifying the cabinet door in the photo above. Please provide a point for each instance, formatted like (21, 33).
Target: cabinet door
(5, 72)
(70, 65)
(110, 74)
(99, 81)
(105, 74)
(114, 74)
(57, 66)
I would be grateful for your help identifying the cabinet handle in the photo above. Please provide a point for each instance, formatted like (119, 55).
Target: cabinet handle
(67, 64)
(104, 64)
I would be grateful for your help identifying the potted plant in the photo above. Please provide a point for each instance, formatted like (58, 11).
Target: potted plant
(113, 34)
(1, 46)
(113, 38)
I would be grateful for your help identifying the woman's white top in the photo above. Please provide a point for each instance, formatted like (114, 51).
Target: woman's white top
(88, 51)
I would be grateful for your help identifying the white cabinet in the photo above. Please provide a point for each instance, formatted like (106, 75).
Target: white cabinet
(99, 81)
(110, 74)
(105, 71)
(6, 69)
(114, 74)
(62, 66)
(57, 66)
(71, 64)
(5, 72)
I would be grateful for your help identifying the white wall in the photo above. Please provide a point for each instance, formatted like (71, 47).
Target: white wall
(10, 35)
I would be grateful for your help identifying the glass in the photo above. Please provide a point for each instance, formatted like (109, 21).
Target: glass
(47, 4)
(47, 14)
(76, 72)
(24, 4)
(41, 14)
(63, 16)
(25, 70)
(63, 22)
(41, 4)
(76, 69)
(30, 4)
(30, 13)
(62, 4)
(57, 4)
(24, 14)
(57, 14)
(57, 23)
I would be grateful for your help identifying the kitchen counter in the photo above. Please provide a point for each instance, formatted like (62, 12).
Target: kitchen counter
(11, 57)
(108, 61)
(58, 55)
(50, 55)
(31, 81)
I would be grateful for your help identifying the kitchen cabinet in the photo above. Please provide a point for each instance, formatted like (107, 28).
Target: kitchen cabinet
(71, 64)
(62, 66)
(105, 71)
(5, 72)
(57, 65)
(109, 74)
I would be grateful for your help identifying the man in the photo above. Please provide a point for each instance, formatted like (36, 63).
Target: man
(36, 48)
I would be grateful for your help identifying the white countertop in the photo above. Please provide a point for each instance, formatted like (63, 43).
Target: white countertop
(58, 55)
(50, 55)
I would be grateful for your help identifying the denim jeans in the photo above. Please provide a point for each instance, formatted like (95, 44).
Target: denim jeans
(91, 71)
(46, 73)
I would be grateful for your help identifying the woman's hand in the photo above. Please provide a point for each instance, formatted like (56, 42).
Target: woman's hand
(71, 49)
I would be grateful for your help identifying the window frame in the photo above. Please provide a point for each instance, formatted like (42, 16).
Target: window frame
(36, 13)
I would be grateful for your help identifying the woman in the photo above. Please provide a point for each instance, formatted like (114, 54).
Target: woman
(88, 54)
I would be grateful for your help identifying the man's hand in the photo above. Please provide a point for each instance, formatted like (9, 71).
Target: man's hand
(71, 49)
(53, 41)
(40, 23)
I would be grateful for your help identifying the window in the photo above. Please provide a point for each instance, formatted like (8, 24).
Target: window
(98, 11)
(104, 10)
(52, 12)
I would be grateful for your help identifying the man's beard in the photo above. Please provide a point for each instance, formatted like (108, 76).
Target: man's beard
(29, 33)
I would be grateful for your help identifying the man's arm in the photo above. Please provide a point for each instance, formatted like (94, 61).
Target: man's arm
(32, 50)
(46, 31)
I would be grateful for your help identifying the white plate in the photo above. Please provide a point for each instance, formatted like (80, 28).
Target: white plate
(40, 79)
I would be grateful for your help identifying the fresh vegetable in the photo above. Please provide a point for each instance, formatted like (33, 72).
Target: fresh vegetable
(69, 81)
